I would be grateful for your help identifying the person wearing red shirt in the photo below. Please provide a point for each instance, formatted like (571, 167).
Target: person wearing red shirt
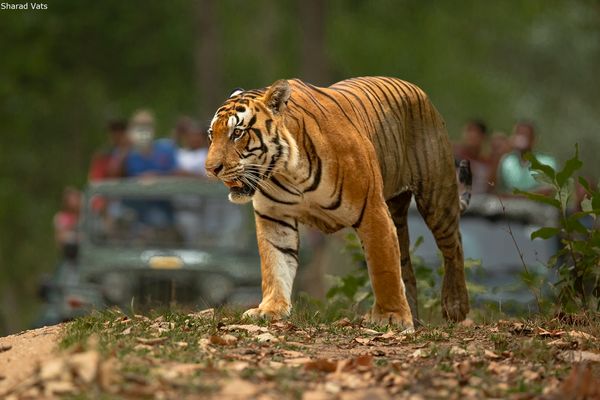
(66, 222)
(108, 162)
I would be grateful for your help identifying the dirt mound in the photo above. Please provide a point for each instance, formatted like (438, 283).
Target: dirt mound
(20, 354)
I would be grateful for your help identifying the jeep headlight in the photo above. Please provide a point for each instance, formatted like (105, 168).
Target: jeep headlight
(116, 288)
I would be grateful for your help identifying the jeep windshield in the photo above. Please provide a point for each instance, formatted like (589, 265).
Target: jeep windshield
(186, 221)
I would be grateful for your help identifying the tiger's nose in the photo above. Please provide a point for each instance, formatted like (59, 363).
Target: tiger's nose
(215, 169)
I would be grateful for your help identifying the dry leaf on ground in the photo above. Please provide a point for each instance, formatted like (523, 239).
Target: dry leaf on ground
(245, 327)
(386, 336)
(545, 333)
(559, 343)
(457, 351)
(521, 329)
(223, 340)
(419, 353)
(298, 361)
(368, 331)
(578, 356)
(580, 337)
(208, 313)
(321, 365)
(151, 341)
(266, 338)
(343, 322)
(501, 369)
(291, 354)
(491, 355)
(361, 363)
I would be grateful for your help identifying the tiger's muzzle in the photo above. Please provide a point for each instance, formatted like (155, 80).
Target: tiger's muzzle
(242, 186)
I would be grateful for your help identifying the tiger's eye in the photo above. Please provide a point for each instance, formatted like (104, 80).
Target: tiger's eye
(237, 133)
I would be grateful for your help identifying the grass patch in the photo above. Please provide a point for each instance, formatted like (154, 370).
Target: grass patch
(502, 359)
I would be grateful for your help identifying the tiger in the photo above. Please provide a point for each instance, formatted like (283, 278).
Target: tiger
(353, 154)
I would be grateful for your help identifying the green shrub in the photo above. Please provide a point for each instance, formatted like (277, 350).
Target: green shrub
(353, 290)
(578, 260)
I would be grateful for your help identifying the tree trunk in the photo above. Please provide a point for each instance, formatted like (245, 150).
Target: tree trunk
(207, 57)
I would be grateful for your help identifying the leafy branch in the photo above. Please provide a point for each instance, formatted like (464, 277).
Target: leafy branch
(578, 260)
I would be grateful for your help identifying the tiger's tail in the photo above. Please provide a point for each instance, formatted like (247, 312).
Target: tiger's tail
(465, 181)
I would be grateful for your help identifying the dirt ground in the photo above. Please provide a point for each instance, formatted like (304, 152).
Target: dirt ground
(219, 355)
(20, 354)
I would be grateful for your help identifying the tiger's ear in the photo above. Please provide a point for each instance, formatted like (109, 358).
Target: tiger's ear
(236, 91)
(277, 96)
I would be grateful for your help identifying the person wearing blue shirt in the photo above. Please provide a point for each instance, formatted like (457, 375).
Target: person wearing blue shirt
(148, 156)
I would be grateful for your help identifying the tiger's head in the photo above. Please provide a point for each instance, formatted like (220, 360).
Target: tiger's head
(249, 141)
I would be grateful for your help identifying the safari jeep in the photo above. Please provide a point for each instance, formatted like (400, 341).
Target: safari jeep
(156, 242)
(496, 236)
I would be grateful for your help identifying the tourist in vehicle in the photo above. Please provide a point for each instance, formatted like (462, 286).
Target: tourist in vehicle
(472, 148)
(183, 126)
(513, 170)
(148, 156)
(192, 156)
(66, 223)
(108, 161)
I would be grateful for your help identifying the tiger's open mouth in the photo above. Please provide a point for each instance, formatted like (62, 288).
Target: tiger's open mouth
(239, 188)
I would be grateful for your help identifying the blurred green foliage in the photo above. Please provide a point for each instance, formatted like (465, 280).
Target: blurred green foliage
(578, 260)
(352, 291)
(66, 70)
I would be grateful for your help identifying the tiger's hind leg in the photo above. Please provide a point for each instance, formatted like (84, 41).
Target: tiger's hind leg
(399, 209)
(441, 212)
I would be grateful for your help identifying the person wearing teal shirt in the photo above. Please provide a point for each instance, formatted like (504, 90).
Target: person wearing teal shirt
(513, 170)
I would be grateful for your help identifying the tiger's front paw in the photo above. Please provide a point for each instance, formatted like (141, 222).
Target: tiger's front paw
(266, 312)
(402, 320)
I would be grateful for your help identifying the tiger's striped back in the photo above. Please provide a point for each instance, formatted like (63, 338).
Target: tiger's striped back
(407, 132)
